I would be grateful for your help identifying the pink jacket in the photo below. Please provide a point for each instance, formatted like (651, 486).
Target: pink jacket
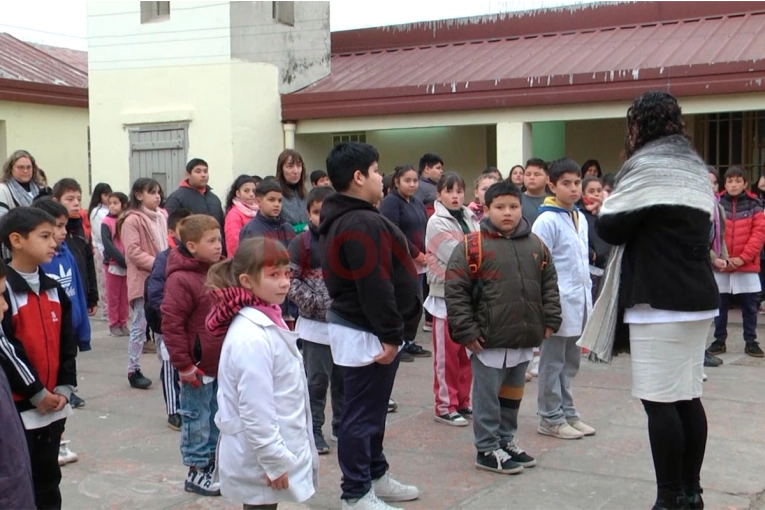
(235, 221)
(142, 245)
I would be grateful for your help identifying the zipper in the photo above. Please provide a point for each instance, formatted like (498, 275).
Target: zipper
(523, 286)
(45, 333)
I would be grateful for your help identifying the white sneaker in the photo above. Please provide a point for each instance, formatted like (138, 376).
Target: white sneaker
(704, 377)
(65, 455)
(561, 431)
(388, 489)
(582, 427)
(534, 370)
(454, 419)
(369, 502)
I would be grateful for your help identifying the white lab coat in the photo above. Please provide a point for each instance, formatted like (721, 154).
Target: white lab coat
(263, 414)
(571, 256)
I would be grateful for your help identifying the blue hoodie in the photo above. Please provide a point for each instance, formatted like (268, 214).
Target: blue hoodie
(63, 268)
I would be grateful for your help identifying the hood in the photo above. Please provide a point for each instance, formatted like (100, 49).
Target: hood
(74, 226)
(185, 184)
(228, 302)
(550, 204)
(338, 204)
(179, 259)
(522, 230)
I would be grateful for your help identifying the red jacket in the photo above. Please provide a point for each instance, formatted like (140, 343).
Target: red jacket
(41, 347)
(744, 229)
(184, 310)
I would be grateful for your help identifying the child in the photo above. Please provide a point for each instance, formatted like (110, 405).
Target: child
(482, 183)
(535, 181)
(592, 198)
(266, 454)
(563, 229)
(319, 178)
(514, 279)
(40, 348)
(97, 211)
(451, 366)
(373, 311)
(240, 209)
(193, 351)
(143, 229)
(718, 252)
(154, 295)
(310, 294)
(268, 221)
(744, 237)
(608, 184)
(116, 267)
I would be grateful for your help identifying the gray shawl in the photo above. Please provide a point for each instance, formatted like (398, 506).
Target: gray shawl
(20, 195)
(667, 171)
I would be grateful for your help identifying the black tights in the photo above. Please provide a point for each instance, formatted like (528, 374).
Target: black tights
(678, 435)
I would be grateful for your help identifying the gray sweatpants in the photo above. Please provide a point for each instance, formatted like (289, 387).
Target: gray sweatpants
(559, 359)
(323, 374)
(497, 394)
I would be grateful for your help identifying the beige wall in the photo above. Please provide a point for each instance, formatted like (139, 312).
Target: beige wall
(596, 139)
(57, 136)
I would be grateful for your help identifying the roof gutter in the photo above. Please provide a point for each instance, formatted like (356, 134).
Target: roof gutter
(43, 93)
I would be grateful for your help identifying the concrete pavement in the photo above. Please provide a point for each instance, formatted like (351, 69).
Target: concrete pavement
(129, 459)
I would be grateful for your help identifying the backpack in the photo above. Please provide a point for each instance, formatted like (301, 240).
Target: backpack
(305, 242)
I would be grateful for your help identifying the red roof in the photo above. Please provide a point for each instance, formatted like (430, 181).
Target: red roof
(75, 58)
(25, 62)
(570, 55)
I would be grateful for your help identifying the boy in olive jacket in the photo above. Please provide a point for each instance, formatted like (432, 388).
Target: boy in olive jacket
(502, 300)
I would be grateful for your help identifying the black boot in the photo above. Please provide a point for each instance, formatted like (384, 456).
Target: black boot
(693, 498)
(670, 500)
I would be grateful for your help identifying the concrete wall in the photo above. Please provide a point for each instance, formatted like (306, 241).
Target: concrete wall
(596, 139)
(301, 52)
(56, 136)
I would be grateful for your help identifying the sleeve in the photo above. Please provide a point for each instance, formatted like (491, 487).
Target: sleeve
(546, 229)
(6, 200)
(21, 374)
(173, 203)
(302, 293)
(233, 226)
(618, 229)
(550, 293)
(440, 244)
(110, 250)
(249, 230)
(90, 267)
(177, 306)
(254, 372)
(289, 233)
(458, 292)
(67, 367)
(133, 252)
(723, 245)
(753, 247)
(156, 285)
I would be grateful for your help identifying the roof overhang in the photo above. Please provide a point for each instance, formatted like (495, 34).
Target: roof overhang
(42, 93)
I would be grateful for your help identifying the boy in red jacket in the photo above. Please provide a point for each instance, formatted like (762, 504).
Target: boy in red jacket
(744, 236)
(193, 351)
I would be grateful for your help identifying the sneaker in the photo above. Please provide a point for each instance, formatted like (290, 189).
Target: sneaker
(150, 347)
(200, 481)
(392, 406)
(534, 370)
(717, 347)
(174, 422)
(582, 427)
(561, 430)
(498, 461)
(466, 413)
(125, 330)
(704, 377)
(65, 455)
(428, 326)
(762, 308)
(753, 350)
(417, 351)
(76, 402)
(388, 489)
(321, 444)
(405, 356)
(529, 377)
(370, 501)
(333, 437)
(138, 380)
(519, 456)
(115, 331)
(454, 419)
(711, 360)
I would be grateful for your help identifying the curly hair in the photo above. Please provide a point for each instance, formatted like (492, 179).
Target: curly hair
(652, 115)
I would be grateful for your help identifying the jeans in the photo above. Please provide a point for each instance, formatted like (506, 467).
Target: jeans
(137, 336)
(559, 359)
(199, 434)
(322, 373)
(748, 313)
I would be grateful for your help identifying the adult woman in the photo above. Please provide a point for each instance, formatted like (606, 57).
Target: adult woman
(659, 217)
(97, 211)
(290, 172)
(516, 175)
(240, 209)
(591, 167)
(20, 183)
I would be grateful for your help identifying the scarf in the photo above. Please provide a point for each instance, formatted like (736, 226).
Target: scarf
(717, 230)
(248, 210)
(667, 171)
(227, 303)
(158, 222)
(23, 197)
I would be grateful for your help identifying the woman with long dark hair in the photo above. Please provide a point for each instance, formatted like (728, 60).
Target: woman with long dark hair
(241, 208)
(290, 172)
(659, 295)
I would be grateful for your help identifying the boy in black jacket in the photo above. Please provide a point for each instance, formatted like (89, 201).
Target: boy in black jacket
(376, 304)
(268, 222)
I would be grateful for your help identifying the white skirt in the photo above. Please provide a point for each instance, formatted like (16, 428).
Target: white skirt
(668, 360)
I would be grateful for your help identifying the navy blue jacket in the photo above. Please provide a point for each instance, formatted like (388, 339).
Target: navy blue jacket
(16, 489)
(409, 216)
(275, 228)
(155, 290)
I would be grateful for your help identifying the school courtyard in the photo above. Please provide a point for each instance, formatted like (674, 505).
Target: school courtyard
(129, 459)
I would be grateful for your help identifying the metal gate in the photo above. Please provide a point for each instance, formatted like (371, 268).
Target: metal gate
(159, 152)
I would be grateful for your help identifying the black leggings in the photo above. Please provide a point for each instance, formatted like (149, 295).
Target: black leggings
(678, 435)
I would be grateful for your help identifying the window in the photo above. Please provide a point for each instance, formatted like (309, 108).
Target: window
(734, 139)
(155, 11)
(284, 12)
(349, 137)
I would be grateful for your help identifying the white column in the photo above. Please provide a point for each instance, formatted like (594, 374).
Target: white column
(289, 134)
(513, 145)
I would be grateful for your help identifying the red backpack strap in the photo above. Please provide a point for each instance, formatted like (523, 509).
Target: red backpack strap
(474, 252)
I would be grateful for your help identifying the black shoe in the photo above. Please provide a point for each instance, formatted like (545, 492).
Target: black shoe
(174, 422)
(498, 461)
(670, 500)
(711, 360)
(200, 481)
(405, 356)
(76, 402)
(717, 347)
(466, 413)
(138, 380)
(417, 351)
(753, 349)
(693, 500)
(321, 444)
(519, 456)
